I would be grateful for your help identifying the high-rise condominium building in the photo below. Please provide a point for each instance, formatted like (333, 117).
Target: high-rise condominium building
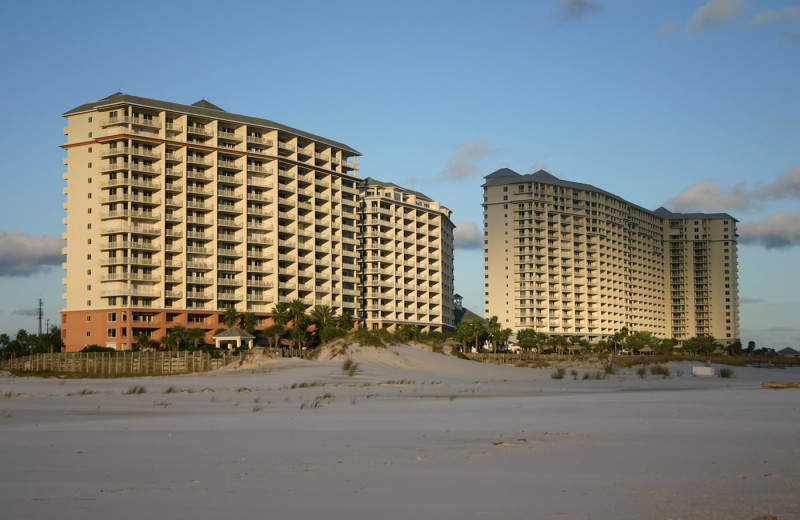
(407, 258)
(177, 212)
(567, 258)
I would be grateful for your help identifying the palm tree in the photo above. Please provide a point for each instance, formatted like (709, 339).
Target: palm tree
(175, 338)
(274, 332)
(463, 334)
(229, 317)
(195, 335)
(478, 331)
(4, 343)
(142, 341)
(345, 322)
(297, 311)
(559, 343)
(322, 317)
(280, 314)
(248, 322)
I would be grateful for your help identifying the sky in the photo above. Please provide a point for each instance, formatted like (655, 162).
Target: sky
(688, 104)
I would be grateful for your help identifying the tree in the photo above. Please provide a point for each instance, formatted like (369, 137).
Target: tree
(324, 323)
(229, 317)
(701, 344)
(280, 314)
(463, 334)
(640, 339)
(559, 343)
(4, 342)
(492, 328)
(478, 332)
(248, 322)
(274, 333)
(735, 348)
(751, 346)
(501, 337)
(194, 336)
(176, 338)
(345, 322)
(407, 332)
(297, 312)
(142, 342)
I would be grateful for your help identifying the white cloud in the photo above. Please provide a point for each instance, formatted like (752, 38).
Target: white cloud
(775, 231)
(23, 255)
(764, 17)
(713, 13)
(574, 10)
(462, 164)
(751, 300)
(787, 186)
(669, 28)
(467, 235)
(709, 197)
(705, 196)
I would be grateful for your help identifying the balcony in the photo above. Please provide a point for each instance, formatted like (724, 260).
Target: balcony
(230, 136)
(199, 130)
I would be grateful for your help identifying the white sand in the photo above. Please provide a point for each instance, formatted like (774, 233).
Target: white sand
(412, 435)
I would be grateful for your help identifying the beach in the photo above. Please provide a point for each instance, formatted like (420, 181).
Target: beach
(411, 434)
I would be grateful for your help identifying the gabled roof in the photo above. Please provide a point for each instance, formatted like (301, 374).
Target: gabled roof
(202, 109)
(206, 104)
(464, 314)
(667, 214)
(233, 333)
(508, 176)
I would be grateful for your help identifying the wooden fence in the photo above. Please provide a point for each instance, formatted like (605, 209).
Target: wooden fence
(118, 364)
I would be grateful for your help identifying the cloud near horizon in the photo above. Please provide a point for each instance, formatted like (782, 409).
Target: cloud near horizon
(462, 164)
(26, 312)
(574, 10)
(24, 255)
(776, 231)
(467, 235)
(705, 196)
(714, 13)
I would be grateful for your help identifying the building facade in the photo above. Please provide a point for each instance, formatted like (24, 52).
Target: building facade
(570, 259)
(177, 212)
(406, 258)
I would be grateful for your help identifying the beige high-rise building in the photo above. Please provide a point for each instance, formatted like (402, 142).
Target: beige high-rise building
(567, 258)
(407, 260)
(177, 212)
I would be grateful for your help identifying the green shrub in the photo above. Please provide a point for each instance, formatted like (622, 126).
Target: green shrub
(642, 372)
(727, 373)
(574, 374)
(349, 367)
(136, 390)
(659, 370)
(609, 369)
(558, 374)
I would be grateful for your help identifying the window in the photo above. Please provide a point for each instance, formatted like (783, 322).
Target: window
(88, 318)
(88, 333)
(112, 316)
(112, 333)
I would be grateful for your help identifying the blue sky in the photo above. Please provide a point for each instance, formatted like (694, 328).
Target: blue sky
(690, 104)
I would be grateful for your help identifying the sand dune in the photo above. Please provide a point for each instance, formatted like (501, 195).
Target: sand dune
(412, 434)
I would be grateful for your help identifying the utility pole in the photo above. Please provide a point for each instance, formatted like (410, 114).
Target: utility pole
(41, 314)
